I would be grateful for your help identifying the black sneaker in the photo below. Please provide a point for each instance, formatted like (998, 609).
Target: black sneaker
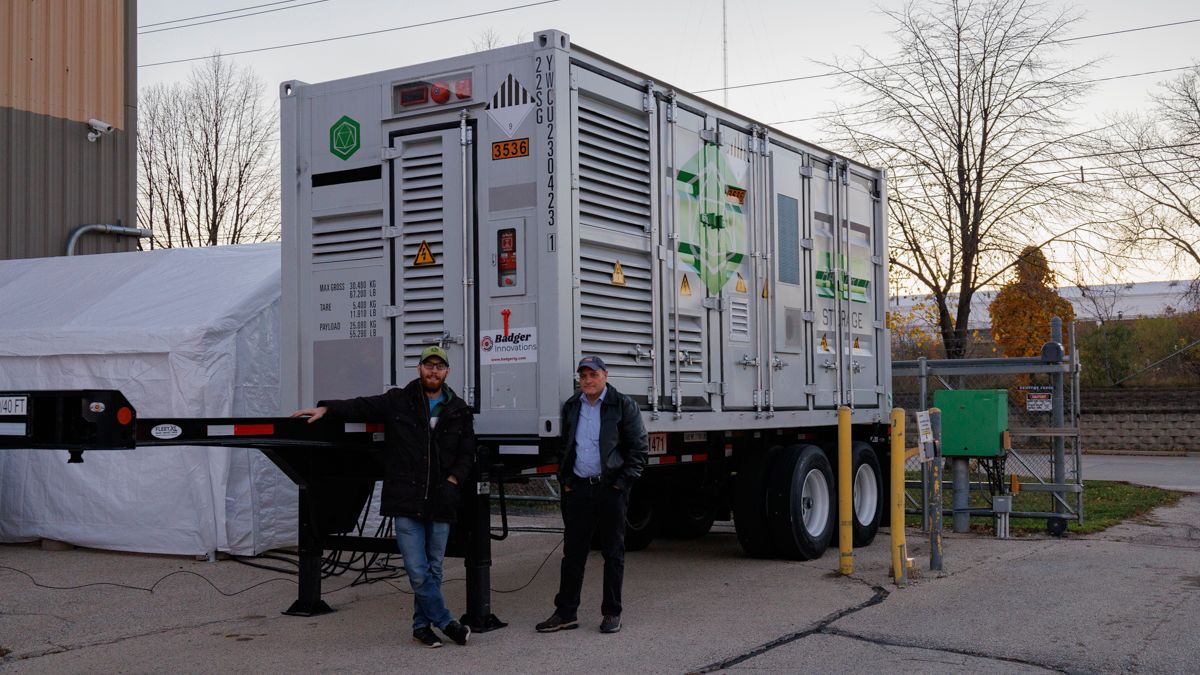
(611, 623)
(556, 622)
(457, 632)
(427, 637)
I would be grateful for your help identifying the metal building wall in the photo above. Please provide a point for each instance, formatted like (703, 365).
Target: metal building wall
(63, 62)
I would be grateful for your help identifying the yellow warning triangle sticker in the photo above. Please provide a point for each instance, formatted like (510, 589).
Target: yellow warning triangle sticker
(685, 288)
(741, 284)
(824, 343)
(856, 342)
(765, 293)
(424, 256)
(618, 275)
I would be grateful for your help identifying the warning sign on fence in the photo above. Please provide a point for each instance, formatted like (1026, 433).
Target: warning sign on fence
(1038, 401)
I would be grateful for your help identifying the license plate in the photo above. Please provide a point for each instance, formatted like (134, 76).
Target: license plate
(658, 444)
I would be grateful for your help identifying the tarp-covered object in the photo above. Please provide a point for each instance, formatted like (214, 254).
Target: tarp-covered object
(182, 333)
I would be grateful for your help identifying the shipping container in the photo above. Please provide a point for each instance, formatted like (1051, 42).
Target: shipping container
(528, 205)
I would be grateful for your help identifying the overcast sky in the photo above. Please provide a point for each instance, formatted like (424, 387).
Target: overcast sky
(675, 41)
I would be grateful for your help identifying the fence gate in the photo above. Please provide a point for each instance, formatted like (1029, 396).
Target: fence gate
(1043, 424)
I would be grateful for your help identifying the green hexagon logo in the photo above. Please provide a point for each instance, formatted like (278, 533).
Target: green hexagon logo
(344, 139)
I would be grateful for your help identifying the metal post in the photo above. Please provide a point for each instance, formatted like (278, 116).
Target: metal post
(899, 546)
(1056, 421)
(845, 495)
(962, 493)
(478, 559)
(923, 383)
(935, 493)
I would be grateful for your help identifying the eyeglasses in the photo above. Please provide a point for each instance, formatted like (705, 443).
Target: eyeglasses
(436, 367)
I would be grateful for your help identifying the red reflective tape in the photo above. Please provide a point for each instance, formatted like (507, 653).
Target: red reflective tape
(548, 468)
(702, 457)
(374, 428)
(254, 430)
(667, 459)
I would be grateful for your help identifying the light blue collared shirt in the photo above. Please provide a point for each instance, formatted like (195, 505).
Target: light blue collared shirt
(587, 436)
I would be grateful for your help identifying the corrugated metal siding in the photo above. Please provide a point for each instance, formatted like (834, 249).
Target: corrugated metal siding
(64, 58)
(61, 63)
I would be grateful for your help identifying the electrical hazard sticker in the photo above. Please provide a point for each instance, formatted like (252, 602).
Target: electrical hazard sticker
(741, 284)
(685, 287)
(424, 256)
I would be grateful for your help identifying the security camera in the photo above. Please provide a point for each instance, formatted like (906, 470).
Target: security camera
(98, 128)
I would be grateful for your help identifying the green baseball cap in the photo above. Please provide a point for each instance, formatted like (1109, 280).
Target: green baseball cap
(434, 350)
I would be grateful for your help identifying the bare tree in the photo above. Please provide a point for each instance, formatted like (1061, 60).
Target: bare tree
(207, 159)
(1153, 173)
(489, 38)
(968, 116)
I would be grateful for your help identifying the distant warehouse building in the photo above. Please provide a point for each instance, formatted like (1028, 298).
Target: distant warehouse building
(68, 111)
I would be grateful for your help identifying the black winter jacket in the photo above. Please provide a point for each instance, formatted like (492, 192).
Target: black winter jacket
(419, 459)
(623, 441)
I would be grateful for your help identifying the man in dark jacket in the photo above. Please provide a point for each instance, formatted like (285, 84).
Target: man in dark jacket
(603, 452)
(431, 446)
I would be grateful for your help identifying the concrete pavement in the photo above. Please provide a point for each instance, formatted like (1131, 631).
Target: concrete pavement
(1125, 600)
(1173, 473)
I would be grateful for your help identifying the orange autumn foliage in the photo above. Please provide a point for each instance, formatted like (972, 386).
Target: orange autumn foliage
(1023, 308)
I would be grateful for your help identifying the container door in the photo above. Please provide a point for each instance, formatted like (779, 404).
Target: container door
(432, 193)
(730, 229)
(613, 201)
(824, 360)
(790, 302)
(688, 353)
(864, 329)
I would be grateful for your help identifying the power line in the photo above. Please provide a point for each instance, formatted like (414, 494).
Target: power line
(354, 35)
(230, 18)
(205, 16)
(836, 73)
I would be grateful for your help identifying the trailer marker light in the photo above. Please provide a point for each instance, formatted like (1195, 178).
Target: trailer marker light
(124, 415)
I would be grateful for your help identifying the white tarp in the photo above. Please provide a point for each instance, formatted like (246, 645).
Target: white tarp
(182, 333)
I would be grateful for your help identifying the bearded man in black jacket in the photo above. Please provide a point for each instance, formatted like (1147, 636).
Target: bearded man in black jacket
(431, 446)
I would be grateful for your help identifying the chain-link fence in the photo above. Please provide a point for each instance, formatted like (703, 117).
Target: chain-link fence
(1043, 410)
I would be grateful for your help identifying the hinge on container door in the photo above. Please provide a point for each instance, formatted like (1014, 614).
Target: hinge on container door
(390, 311)
(716, 304)
(660, 252)
(469, 137)
(390, 153)
(806, 244)
(717, 388)
(808, 316)
(710, 136)
(391, 232)
(876, 260)
(648, 97)
(845, 172)
(878, 324)
(574, 82)
(806, 172)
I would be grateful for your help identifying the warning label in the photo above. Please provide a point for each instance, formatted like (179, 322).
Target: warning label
(516, 345)
(1038, 402)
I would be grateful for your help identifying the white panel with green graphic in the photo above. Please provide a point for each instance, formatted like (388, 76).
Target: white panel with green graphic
(712, 219)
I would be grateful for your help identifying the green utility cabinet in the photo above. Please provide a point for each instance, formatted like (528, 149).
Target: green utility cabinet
(973, 421)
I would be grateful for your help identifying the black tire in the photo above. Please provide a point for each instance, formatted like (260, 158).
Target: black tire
(639, 519)
(867, 488)
(750, 503)
(688, 515)
(1056, 527)
(802, 503)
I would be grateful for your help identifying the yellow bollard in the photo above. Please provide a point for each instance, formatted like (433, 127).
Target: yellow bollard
(900, 561)
(845, 494)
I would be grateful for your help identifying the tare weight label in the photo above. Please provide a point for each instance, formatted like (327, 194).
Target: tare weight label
(347, 305)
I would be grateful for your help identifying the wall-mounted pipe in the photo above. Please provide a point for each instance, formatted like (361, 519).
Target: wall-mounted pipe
(102, 228)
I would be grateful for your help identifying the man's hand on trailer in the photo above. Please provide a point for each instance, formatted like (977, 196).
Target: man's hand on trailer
(313, 414)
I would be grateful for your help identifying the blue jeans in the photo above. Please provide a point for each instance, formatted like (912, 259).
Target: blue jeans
(423, 546)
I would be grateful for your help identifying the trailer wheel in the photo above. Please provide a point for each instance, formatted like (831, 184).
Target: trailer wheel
(801, 502)
(688, 516)
(639, 519)
(750, 503)
(868, 494)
